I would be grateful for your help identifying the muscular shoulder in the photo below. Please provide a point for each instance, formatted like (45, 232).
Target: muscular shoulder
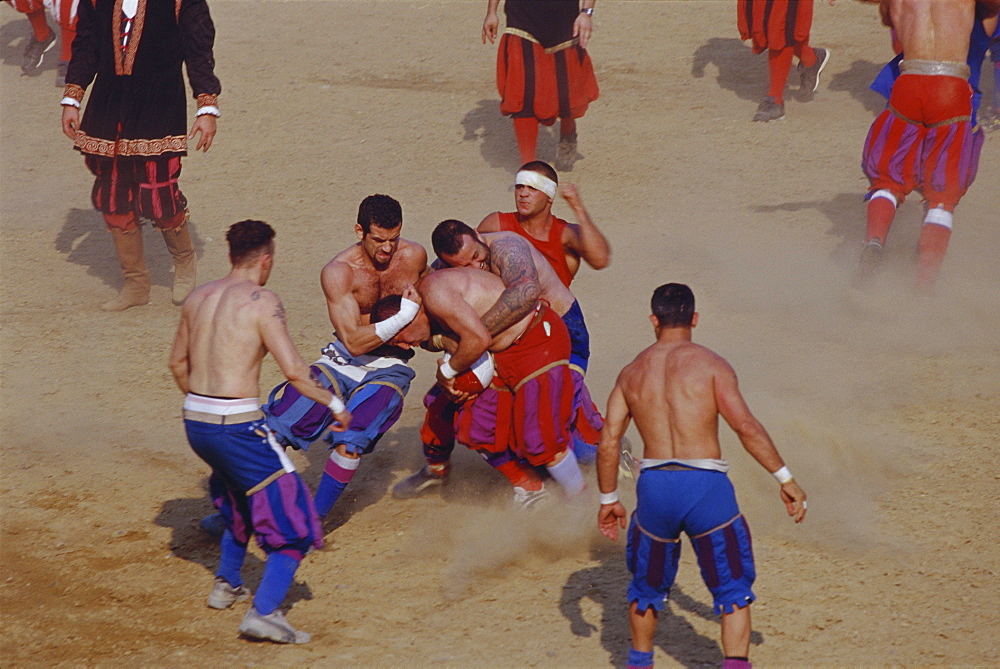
(412, 255)
(491, 223)
(337, 276)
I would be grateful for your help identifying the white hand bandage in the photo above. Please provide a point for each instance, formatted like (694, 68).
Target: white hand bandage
(783, 475)
(536, 181)
(447, 371)
(390, 327)
(336, 405)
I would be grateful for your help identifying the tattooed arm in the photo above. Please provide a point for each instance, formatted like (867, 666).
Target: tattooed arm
(275, 337)
(510, 258)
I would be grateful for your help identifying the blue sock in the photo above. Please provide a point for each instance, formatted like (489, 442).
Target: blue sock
(231, 559)
(337, 474)
(637, 659)
(279, 571)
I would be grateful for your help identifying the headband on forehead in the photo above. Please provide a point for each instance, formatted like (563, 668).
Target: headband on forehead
(536, 181)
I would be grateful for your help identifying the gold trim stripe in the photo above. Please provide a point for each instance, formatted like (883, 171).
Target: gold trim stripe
(266, 482)
(517, 32)
(716, 529)
(110, 148)
(539, 372)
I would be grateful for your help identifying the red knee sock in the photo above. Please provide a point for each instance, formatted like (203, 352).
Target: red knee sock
(881, 211)
(66, 35)
(779, 62)
(526, 131)
(39, 25)
(933, 244)
(567, 126)
(520, 475)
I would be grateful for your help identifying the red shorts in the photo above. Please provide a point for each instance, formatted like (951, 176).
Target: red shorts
(146, 186)
(774, 24)
(542, 85)
(27, 6)
(924, 140)
(528, 408)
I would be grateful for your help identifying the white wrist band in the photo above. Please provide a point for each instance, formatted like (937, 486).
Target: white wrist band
(609, 497)
(390, 327)
(70, 102)
(209, 109)
(783, 475)
(447, 371)
(336, 405)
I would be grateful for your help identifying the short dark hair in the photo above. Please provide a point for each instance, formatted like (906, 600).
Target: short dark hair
(385, 307)
(673, 305)
(447, 236)
(249, 239)
(542, 168)
(380, 210)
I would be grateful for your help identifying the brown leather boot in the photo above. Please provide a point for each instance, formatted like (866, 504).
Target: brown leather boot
(135, 292)
(179, 244)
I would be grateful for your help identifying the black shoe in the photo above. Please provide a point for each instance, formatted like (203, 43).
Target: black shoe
(34, 52)
(61, 73)
(810, 75)
(769, 110)
(566, 154)
(868, 264)
(417, 484)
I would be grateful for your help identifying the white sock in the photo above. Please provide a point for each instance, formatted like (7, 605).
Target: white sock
(567, 473)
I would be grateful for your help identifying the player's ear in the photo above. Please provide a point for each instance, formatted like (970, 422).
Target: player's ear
(652, 319)
(359, 231)
(694, 319)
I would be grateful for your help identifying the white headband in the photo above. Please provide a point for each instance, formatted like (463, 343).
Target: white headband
(536, 181)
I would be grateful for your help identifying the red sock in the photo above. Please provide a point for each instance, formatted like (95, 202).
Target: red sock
(779, 62)
(521, 476)
(567, 126)
(526, 131)
(933, 244)
(806, 54)
(39, 25)
(881, 211)
(67, 35)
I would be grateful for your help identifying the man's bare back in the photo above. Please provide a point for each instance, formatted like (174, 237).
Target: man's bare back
(225, 320)
(936, 30)
(670, 392)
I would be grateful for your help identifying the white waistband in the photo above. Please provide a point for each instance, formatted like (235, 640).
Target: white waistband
(219, 406)
(710, 464)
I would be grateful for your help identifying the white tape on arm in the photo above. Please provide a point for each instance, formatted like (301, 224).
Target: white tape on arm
(783, 475)
(609, 497)
(336, 405)
(390, 327)
(447, 371)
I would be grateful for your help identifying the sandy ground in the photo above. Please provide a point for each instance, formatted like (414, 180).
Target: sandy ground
(884, 406)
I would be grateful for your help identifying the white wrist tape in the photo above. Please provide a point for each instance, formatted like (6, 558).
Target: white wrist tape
(783, 475)
(390, 327)
(70, 102)
(447, 371)
(209, 109)
(609, 497)
(536, 181)
(336, 405)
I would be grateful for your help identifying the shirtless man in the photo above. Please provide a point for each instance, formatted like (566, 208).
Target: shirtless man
(227, 327)
(532, 387)
(676, 390)
(527, 276)
(374, 380)
(924, 139)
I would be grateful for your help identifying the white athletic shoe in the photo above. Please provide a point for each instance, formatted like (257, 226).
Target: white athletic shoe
(272, 627)
(528, 500)
(224, 595)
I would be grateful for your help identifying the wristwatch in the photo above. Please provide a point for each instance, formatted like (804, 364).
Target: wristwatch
(589, 11)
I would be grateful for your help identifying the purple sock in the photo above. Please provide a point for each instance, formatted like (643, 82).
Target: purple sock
(279, 571)
(639, 660)
(231, 559)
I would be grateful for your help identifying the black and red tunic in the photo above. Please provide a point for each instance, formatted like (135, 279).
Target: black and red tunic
(137, 106)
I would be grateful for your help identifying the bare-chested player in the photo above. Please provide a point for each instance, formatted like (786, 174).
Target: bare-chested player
(532, 389)
(676, 390)
(374, 379)
(227, 327)
(527, 276)
(924, 139)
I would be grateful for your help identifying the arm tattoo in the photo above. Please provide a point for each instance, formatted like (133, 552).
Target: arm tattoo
(279, 312)
(512, 258)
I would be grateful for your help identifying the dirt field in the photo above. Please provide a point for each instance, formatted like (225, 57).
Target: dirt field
(884, 406)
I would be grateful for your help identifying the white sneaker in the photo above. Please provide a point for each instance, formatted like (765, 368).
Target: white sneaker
(272, 627)
(224, 595)
(527, 500)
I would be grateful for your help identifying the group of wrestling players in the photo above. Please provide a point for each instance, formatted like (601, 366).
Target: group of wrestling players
(509, 380)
